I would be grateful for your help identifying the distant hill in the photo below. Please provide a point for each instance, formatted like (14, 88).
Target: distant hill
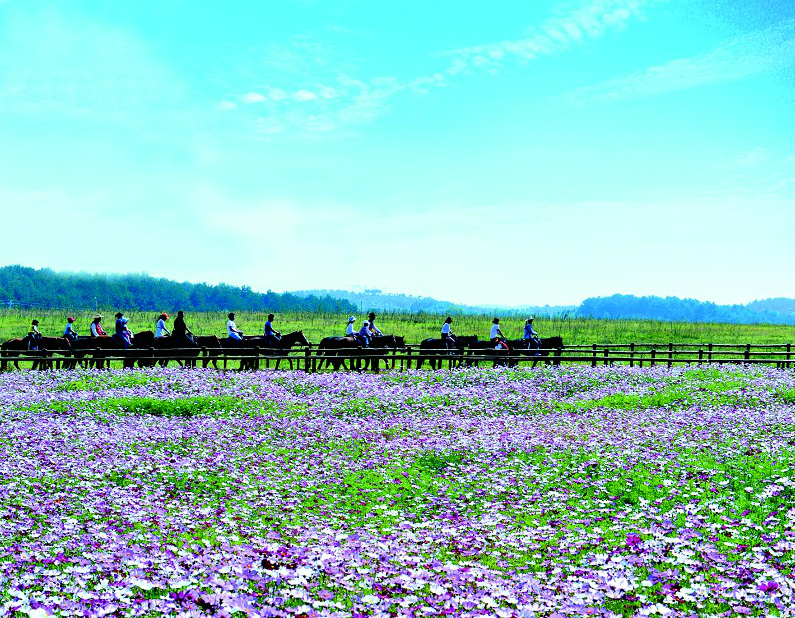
(672, 308)
(779, 305)
(376, 300)
(24, 286)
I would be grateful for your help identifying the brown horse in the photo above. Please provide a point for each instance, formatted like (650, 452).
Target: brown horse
(14, 348)
(249, 346)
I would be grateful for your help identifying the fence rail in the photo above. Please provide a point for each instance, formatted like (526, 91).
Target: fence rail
(312, 359)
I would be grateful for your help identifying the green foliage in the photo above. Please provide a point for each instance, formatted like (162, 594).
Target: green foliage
(47, 288)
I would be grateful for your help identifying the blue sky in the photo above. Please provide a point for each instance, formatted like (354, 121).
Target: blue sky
(511, 153)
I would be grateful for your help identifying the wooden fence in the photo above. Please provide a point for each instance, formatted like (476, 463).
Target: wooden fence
(311, 359)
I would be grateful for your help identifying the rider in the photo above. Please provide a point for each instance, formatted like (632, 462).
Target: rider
(531, 336)
(96, 327)
(272, 337)
(181, 332)
(496, 336)
(363, 336)
(160, 328)
(447, 336)
(122, 334)
(69, 332)
(349, 332)
(34, 336)
(374, 332)
(235, 335)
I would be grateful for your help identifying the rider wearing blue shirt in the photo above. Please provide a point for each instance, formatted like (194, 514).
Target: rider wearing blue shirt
(273, 337)
(364, 334)
(530, 335)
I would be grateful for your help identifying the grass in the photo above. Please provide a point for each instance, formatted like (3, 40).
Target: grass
(416, 327)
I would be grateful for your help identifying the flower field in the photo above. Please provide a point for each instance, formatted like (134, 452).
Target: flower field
(572, 491)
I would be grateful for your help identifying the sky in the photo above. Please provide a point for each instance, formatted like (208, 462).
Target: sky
(511, 153)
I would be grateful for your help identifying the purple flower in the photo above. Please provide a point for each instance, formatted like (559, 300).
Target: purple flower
(633, 540)
(768, 586)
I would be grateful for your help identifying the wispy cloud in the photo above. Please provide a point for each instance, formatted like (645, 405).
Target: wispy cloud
(554, 36)
(750, 54)
(316, 108)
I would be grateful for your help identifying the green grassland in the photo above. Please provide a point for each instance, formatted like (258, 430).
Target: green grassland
(416, 327)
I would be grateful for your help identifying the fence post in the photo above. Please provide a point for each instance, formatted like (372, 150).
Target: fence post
(593, 362)
(789, 350)
(653, 356)
(747, 354)
(670, 354)
(408, 359)
(631, 354)
(307, 360)
(225, 358)
(314, 361)
(607, 354)
(700, 355)
(709, 353)
(256, 358)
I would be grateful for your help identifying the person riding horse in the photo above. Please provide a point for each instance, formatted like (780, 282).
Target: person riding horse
(96, 327)
(363, 336)
(180, 331)
(272, 337)
(34, 336)
(349, 331)
(496, 336)
(447, 336)
(69, 332)
(374, 331)
(235, 334)
(160, 327)
(530, 336)
(123, 334)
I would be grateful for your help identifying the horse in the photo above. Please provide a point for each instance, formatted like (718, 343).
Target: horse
(332, 347)
(380, 345)
(434, 348)
(162, 348)
(249, 345)
(211, 348)
(96, 347)
(14, 348)
(518, 347)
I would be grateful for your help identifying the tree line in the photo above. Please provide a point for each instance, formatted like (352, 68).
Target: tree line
(29, 287)
(674, 309)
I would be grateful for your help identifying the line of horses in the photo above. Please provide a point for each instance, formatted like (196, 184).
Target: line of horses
(332, 352)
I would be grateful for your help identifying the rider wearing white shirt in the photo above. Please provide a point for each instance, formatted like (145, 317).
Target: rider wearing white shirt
(374, 332)
(235, 334)
(447, 336)
(349, 329)
(496, 334)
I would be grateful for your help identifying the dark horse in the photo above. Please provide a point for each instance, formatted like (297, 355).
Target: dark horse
(333, 347)
(335, 350)
(548, 344)
(13, 348)
(434, 349)
(518, 347)
(248, 347)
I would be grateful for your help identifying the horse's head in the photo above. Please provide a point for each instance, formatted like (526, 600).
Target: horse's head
(400, 342)
(301, 340)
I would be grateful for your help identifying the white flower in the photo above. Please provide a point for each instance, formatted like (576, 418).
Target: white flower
(437, 589)
(370, 599)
